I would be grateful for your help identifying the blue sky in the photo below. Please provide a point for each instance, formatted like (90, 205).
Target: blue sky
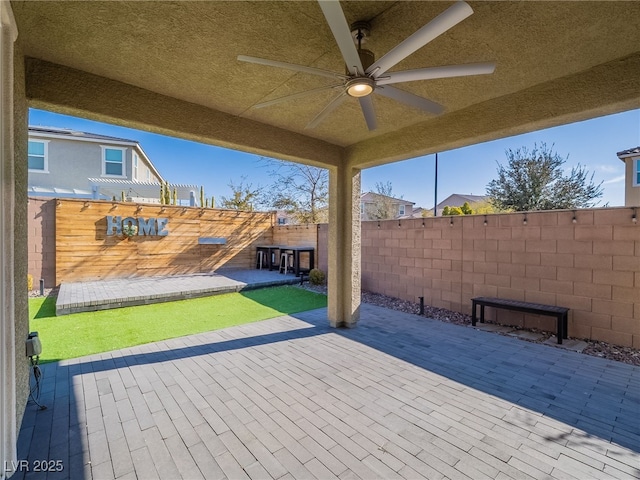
(592, 143)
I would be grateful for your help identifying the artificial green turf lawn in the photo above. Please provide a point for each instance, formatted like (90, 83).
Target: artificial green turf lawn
(80, 334)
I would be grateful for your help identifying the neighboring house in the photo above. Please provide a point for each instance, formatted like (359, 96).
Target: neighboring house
(374, 206)
(73, 164)
(284, 218)
(631, 159)
(418, 212)
(458, 199)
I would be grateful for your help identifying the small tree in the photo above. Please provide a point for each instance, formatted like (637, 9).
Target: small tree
(302, 191)
(465, 209)
(534, 180)
(243, 196)
(382, 207)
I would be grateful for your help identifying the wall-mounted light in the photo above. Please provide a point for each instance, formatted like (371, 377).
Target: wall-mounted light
(524, 222)
(485, 221)
(451, 222)
(634, 217)
(87, 205)
(58, 203)
(423, 223)
(378, 223)
(574, 219)
(399, 225)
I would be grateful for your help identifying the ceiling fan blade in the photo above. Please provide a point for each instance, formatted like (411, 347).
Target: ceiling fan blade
(294, 96)
(410, 99)
(327, 110)
(366, 103)
(437, 72)
(443, 22)
(342, 33)
(291, 66)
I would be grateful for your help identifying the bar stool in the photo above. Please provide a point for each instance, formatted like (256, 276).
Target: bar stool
(259, 259)
(286, 262)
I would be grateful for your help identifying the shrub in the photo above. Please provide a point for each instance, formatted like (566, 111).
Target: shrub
(30, 282)
(316, 277)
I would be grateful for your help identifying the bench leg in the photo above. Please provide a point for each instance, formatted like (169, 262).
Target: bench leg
(560, 333)
(481, 313)
(473, 313)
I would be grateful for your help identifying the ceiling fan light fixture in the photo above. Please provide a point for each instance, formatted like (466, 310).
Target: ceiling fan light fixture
(360, 87)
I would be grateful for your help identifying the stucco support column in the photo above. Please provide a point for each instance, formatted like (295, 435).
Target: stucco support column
(344, 246)
(8, 417)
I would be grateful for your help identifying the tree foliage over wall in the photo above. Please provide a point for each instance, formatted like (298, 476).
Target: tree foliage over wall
(383, 207)
(465, 209)
(244, 196)
(535, 180)
(302, 191)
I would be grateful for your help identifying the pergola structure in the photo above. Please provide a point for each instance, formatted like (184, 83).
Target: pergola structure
(172, 68)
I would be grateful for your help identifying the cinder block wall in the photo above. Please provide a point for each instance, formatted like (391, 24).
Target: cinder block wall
(42, 241)
(591, 265)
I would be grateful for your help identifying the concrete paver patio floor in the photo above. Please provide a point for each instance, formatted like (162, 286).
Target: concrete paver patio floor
(399, 396)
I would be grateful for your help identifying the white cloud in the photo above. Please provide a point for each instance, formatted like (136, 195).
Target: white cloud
(619, 179)
(609, 168)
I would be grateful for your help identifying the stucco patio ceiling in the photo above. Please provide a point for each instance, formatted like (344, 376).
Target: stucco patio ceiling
(172, 67)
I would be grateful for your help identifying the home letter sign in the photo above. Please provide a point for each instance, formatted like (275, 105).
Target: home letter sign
(152, 226)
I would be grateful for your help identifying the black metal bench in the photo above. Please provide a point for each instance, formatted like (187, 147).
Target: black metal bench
(561, 313)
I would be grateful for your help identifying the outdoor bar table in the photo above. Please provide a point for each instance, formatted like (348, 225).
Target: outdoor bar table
(270, 253)
(296, 257)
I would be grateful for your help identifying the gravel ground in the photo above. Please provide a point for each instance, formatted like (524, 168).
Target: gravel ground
(595, 348)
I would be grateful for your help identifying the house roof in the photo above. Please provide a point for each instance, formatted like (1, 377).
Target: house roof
(68, 133)
(371, 197)
(209, 96)
(458, 199)
(632, 152)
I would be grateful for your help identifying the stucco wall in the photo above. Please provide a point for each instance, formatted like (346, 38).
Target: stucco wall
(42, 241)
(20, 237)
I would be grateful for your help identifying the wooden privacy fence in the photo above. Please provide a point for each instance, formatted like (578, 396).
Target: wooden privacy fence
(91, 245)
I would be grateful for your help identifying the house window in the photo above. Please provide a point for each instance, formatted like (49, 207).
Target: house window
(38, 161)
(637, 174)
(401, 210)
(113, 162)
(282, 221)
(135, 167)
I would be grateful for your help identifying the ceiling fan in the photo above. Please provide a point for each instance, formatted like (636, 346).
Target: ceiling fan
(365, 75)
